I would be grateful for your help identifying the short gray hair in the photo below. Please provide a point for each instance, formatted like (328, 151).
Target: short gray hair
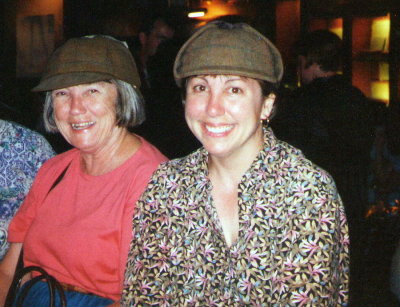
(129, 109)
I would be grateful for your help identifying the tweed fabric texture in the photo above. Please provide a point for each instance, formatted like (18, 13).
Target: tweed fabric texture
(89, 59)
(235, 49)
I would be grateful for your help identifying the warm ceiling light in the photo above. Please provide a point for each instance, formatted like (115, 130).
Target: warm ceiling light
(197, 13)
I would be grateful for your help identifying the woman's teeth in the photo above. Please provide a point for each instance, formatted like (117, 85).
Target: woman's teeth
(82, 125)
(219, 129)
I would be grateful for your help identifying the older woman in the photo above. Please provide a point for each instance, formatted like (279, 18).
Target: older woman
(75, 221)
(245, 220)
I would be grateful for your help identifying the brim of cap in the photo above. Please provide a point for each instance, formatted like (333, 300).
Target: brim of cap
(224, 71)
(70, 79)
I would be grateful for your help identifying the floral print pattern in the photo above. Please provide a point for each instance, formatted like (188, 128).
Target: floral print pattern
(22, 152)
(293, 240)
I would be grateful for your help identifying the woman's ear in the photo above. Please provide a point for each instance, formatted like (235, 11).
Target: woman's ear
(267, 106)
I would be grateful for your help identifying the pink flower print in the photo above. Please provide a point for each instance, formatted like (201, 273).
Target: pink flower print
(316, 271)
(162, 264)
(172, 184)
(202, 229)
(300, 191)
(320, 201)
(325, 221)
(292, 235)
(144, 287)
(253, 257)
(280, 283)
(301, 297)
(208, 250)
(202, 280)
(309, 246)
(138, 265)
(246, 285)
(164, 246)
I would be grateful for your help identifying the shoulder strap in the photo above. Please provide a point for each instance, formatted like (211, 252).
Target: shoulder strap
(56, 182)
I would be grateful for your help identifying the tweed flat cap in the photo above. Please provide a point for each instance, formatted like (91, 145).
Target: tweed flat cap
(89, 59)
(224, 48)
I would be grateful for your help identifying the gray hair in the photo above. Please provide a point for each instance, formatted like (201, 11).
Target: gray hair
(129, 109)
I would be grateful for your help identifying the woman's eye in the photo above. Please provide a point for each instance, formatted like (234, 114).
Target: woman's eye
(235, 90)
(59, 94)
(199, 88)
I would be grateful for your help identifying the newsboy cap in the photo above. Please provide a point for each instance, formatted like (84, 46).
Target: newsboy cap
(225, 48)
(89, 59)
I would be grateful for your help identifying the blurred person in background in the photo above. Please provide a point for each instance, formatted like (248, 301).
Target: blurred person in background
(159, 41)
(153, 31)
(328, 119)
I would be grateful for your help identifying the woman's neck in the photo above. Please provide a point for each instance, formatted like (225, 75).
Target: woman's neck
(233, 167)
(110, 158)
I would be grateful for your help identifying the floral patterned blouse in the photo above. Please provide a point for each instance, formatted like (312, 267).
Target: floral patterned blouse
(22, 153)
(293, 238)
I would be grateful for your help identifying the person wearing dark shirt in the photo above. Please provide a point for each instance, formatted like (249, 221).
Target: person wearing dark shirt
(328, 119)
(153, 32)
(165, 125)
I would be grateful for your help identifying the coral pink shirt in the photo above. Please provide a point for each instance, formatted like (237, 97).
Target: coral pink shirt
(80, 232)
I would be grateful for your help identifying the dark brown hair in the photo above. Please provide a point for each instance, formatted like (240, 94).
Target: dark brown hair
(321, 47)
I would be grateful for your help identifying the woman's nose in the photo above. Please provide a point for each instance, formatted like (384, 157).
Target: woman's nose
(215, 105)
(77, 105)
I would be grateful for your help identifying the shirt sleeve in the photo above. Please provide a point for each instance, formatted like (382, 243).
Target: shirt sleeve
(145, 277)
(141, 179)
(317, 263)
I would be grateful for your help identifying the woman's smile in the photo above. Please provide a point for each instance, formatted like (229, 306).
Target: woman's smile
(218, 129)
(82, 126)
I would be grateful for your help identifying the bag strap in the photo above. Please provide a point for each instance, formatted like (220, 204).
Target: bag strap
(52, 283)
(16, 283)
